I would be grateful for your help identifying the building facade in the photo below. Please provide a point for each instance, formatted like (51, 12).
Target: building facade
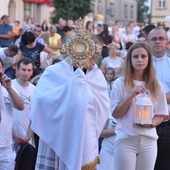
(22, 9)
(159, 10)
(113, 10)
(110, 10)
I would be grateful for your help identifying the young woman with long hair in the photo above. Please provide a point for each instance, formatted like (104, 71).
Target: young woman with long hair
(136, 144)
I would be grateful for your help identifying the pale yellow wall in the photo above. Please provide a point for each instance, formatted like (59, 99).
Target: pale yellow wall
(45, 13)
(159, 14)
(3, 7)
(43, 10)
(119, 10)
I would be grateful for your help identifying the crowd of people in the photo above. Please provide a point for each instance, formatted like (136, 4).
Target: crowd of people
(65, 113)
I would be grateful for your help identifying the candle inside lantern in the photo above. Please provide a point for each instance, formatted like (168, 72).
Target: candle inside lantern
(144, 115)
(144, 109)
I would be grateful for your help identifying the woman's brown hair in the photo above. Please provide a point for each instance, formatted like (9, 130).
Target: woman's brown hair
(149, 74)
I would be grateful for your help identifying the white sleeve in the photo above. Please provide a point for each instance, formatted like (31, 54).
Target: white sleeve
(2, 104)
(104, 61)
(117, 93)
(161, 107)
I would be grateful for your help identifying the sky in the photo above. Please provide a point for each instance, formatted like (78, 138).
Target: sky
(149, 4)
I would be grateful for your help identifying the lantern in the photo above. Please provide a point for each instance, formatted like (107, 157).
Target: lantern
(144, 109)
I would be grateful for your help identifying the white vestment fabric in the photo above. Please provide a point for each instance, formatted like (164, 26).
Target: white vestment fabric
(162, 68)
(2, 103)
(68, 112)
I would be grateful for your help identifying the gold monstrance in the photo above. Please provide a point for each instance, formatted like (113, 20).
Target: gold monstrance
(82, 46)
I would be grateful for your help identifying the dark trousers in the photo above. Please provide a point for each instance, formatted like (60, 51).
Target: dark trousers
(36, 140)
(163, 156)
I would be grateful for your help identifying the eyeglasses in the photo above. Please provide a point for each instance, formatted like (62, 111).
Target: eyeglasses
(154, 39)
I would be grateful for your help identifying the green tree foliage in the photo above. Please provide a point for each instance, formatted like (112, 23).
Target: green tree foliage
(142, 10)
(71, 9)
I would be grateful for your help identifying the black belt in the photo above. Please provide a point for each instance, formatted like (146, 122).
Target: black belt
(167, 123)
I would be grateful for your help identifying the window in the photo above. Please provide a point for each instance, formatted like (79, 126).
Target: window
(131, 11)
(112, 9)
(162, 3)
(161, 24)
(99, 7)
(126, 11)
(27, 10)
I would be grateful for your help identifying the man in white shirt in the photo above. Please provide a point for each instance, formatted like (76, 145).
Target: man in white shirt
(11, 100)
(22, 132)
(158, 41)
(9, 56)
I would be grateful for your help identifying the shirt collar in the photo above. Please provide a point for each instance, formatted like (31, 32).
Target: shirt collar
(163, 58)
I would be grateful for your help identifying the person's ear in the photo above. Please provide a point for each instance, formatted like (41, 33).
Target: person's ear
(3, 70)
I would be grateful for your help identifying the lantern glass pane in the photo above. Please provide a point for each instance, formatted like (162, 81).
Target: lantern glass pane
(145, 113)
(138, 112)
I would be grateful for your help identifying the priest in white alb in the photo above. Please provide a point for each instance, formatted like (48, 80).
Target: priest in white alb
(70, 107)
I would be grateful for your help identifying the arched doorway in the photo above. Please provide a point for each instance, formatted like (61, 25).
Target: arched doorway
(11, 9)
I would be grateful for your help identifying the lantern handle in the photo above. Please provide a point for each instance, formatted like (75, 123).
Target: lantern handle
(146, 92)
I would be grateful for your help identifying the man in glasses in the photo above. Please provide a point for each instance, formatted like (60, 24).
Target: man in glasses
(158, 41)
(9, 56)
